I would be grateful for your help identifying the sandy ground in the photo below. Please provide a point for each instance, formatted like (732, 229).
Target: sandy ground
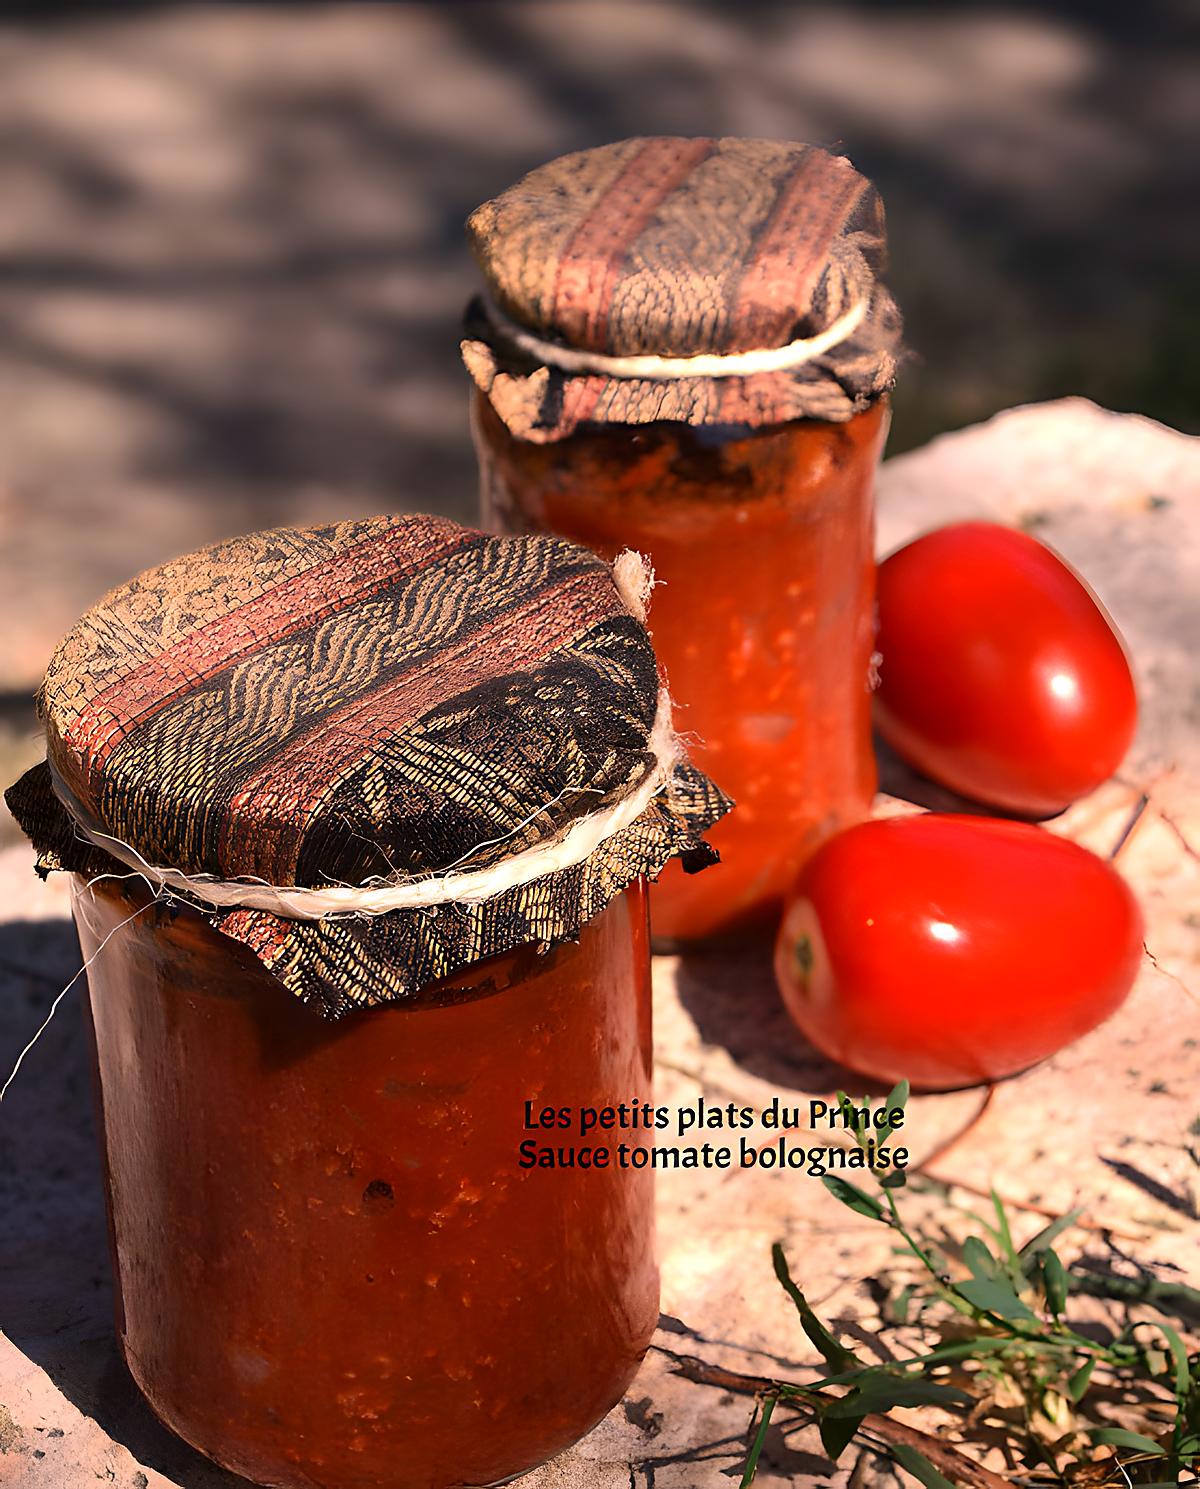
(1104, 1124)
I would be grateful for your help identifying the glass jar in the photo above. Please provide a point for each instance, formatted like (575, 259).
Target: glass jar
(762, 545)
(331, 1269)
(685, 347)
(393, 788)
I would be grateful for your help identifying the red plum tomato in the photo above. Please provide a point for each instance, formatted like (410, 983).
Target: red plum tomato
(1001, 675)
(952, 950)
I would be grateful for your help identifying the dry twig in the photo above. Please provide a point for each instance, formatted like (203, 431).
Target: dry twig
(946, 1459)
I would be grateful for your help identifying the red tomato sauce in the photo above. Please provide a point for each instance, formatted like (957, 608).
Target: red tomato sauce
(331, 1269)
(762, 545)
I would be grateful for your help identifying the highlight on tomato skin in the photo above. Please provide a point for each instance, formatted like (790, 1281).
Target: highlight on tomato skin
(954, 950)
(1002, 676)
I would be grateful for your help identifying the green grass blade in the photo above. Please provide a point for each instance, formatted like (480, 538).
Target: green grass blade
(844, 1101)
(1079, 1382)
(979, 1260)
(756, 1447)
(1048, 1235)
(835, 1354)
(881, 1390)
(853, 1197)
(1054, 1282)
(1118, 1437)
(1179, 1356)
(898, 1096)
(919, 1466)
(1005, 1234)
(837, 1433)
(994, 1295)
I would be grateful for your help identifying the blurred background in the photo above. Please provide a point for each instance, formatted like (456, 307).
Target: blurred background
(232, 265)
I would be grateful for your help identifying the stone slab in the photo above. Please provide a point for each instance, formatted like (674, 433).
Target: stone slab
(1103, 1124)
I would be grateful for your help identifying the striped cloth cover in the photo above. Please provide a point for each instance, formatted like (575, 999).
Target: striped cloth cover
(364, 701)
(675, 247)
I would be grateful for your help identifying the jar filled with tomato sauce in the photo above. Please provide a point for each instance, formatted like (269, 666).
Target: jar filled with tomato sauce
(684, 347)
(360, 819)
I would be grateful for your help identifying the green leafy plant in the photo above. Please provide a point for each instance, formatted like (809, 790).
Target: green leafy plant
(1007, 1337)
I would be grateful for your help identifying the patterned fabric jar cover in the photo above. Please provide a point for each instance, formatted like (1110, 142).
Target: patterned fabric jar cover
(365, 703)
(681, 247)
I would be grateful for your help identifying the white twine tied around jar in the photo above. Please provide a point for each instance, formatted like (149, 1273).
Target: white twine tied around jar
(655, 368)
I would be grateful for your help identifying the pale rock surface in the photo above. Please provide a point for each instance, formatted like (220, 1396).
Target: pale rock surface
(1100, 1125)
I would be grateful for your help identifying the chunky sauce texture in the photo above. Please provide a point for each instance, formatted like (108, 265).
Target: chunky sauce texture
(762, 543)
(331, 1270)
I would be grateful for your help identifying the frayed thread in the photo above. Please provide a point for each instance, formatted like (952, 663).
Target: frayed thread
(54, 1006)
(634, 579)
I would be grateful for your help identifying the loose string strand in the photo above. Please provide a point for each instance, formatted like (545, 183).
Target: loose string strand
(45, 1024)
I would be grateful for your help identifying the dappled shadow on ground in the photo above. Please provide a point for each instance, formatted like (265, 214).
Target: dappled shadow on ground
(55, 1289)
(234, 262)
(731, 996)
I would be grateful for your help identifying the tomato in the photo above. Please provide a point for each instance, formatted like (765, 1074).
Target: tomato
(954, 950)
(1002, 677)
